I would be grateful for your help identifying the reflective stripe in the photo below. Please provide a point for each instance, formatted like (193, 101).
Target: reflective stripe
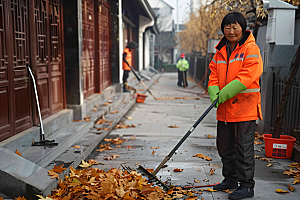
(252, 56)
(223, 61)
(250, 90)
(214, 60)
(236, 59)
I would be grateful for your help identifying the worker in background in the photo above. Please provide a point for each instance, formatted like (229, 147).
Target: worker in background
(182, 66)
(234, 81)
(127, 55)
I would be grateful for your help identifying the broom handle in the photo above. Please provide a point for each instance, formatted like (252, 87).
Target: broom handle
(138, 78)
(37, 103)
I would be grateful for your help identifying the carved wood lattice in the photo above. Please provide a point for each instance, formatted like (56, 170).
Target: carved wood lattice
(88, 47)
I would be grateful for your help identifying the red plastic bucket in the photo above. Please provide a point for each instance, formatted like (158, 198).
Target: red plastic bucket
(279, 147)
(140, 98)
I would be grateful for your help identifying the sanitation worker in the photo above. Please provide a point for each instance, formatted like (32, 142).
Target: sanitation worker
(127, 55)
(182, 67)
(234, 79)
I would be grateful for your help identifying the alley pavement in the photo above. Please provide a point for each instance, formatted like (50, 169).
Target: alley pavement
(152, 139)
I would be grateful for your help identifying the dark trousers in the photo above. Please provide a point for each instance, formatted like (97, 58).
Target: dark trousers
(125, 76)
(180, 81)
(235, 143)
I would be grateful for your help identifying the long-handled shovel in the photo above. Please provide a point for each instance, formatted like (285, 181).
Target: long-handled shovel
(152, 176)
(43, 142)
(138, 78)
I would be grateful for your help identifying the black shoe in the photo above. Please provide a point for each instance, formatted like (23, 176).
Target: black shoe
(241, 193)
(226, 185)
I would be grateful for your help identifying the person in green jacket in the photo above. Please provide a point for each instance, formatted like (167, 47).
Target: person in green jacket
(182, 66)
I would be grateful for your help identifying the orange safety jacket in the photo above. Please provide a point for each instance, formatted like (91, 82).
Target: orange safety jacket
(245, 65)
(128, 58)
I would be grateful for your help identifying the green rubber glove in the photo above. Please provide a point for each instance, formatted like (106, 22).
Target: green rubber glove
(230, 90)
(213, 93)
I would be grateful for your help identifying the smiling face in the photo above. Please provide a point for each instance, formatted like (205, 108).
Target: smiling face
(233, 32)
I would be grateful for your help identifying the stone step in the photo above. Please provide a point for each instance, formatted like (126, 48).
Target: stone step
(73, 156)
(71, 133)
(51, 124)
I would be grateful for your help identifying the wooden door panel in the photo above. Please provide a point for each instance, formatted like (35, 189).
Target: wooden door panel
(104, 46)
(21, 95)
(88, 47)
(42, 57)
(43, 93)
(55, 55)
(6, 127)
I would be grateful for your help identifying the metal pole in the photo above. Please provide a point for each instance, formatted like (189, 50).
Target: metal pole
(38, 105)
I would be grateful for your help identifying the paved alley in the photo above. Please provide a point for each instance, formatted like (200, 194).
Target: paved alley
(151, 120)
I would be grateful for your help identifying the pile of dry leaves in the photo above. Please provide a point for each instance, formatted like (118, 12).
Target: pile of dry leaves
(97, 184)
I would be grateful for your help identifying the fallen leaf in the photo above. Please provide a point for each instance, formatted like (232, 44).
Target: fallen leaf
(256, 142)
(120, 191)
(199, 170)
(77, 147)
(106, 103)
(294, 164)
(96, 106)
(118, 146)
(92, 162)
(291, 188)
(41, 197)
(21, 198)
(212, 171)
(191, 198)
(115, 156)
(18, 152)
(269, 165)
(84, 164)
(153, 152)
(130, 147)
(132, 138)
(200, 155)
(58, 169)
(150, 170)
(154, 147)
(129, 118)
(290, 171)
(132, 125)
(227, 191)
(205, 180)
(77, 120)
(93, 109)
(113, 112)
(53, 174)
(177, 170)
(296, 181)
(281, 191)
(196, 181)
(210, 136)
(175, 126)
(211, 190)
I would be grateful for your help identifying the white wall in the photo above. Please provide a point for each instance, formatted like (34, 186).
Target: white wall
(144, 22)
(147, 49)
(164, 21)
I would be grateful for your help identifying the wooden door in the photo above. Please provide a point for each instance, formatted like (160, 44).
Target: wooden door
(88, 47)
(15, 88)
(48, 59)
(103, 76)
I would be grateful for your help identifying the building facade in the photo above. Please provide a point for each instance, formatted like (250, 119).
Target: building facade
(74, 48)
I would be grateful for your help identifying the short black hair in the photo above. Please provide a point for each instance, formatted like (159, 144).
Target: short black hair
(233, 18)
